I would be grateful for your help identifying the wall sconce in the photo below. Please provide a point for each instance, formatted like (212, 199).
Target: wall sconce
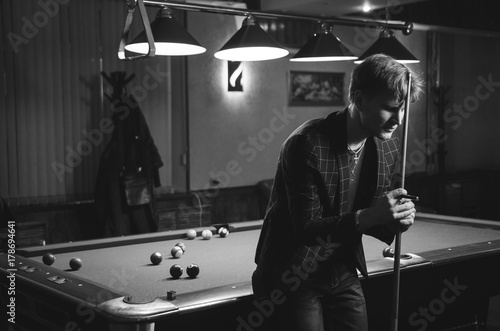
(170, 37)
(323, 46)
(251, 43)
(389, 45)
(234, 76)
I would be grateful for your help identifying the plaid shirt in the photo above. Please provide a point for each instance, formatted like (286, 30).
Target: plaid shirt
(308, 220)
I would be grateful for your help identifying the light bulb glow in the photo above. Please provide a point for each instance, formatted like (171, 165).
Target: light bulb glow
(400, 61)
(324, 59)
(251, 54)
(166, 49)
(366, 7)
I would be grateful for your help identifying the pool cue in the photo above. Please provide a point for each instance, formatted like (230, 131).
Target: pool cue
(397, 244)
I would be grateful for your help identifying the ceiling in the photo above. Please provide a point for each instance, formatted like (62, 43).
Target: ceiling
(479, 15)
(314, 8)
(324, 8)
(476, 15)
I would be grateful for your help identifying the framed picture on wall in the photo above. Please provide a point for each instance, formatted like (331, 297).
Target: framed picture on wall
(316, 88)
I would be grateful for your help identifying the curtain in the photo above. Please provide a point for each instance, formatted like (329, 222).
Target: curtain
(54, 117)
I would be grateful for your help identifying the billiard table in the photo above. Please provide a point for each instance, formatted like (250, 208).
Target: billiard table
(447, 277)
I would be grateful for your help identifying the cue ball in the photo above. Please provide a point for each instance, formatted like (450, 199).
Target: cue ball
(223, 232)
(206, 234)
(192, 270)
(75, 263)
(181, 245)
(388, 252)
(176, 252)
(191, 234)
(156, 258)
(176, 271)
(48, 258)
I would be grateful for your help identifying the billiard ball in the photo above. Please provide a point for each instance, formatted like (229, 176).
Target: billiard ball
(156, 258)
(176, 271)
(176, 252)
(206, 234)
(388, 252)
(48, 258)
(191, 234)
(75, 263)
(192, 270)
(181, 245)
(223, 232)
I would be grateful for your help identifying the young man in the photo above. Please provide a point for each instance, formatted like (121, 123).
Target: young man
(332, 185)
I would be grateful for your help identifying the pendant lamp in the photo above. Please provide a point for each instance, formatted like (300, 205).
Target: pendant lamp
(170, 38)
(323, 46)
(251, 43)
(388, 44)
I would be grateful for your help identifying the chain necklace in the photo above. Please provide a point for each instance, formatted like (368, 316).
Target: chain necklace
(356, 154)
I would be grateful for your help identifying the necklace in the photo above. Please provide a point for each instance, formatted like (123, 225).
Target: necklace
(356, 154)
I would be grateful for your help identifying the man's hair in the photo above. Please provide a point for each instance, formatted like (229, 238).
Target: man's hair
(380, 73)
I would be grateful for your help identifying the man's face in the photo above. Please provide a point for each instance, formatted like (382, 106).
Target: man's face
(381, 115)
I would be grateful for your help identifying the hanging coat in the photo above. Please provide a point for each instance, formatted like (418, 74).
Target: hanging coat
(131, 147)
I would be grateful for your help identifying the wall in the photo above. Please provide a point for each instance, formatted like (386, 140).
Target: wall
(472, 114)
(222, 124)
(54, 117)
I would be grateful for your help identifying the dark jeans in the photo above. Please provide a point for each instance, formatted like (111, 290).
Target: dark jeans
(328, 300)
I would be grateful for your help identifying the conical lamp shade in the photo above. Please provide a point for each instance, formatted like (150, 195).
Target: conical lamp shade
(323, 46)
(251, 43)
(388, 44)
(170, 37)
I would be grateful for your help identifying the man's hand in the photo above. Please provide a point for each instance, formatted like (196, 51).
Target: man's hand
(390, 209)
